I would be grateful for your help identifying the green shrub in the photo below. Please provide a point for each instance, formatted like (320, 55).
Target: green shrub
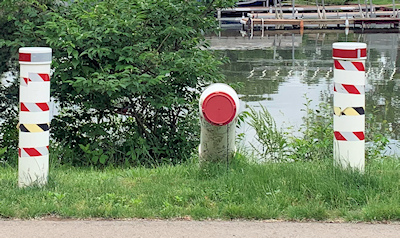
(127, 75)
(18, 20)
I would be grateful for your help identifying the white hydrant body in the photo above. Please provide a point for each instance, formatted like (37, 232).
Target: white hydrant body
(219, 109)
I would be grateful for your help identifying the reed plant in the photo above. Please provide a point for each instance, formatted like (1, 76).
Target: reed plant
(313, 140)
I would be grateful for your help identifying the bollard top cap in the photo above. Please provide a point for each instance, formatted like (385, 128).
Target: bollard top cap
(349, 50)
(35, 55)
(219, 108)
(32, 50)
(349, 45)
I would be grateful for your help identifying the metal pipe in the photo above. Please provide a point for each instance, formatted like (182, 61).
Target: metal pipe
(293, 8)
(394, 9)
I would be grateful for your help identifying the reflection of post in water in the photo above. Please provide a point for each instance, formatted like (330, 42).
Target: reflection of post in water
(293, 51)
(274, 44)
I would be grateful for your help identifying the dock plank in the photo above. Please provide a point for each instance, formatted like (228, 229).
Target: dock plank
(297, 22)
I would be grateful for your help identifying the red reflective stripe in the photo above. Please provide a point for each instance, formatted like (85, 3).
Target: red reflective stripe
(43, 106)
(359, 66)
(363, 52)
(359, 134)
(338, 136)
(25, 57)
(23, 108)
(338, 65)
(351, 89)
(32, 152)
(340, 53)
(45, 77)
(19, 152)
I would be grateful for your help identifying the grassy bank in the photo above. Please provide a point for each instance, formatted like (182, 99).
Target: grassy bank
(294, 191)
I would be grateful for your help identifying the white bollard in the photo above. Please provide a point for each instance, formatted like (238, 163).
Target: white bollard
(34, 115)
(349, 104)
(219, 108)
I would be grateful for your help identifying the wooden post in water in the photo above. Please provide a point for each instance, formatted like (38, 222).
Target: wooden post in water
(394, 9)
(293, 9)
(262, 27)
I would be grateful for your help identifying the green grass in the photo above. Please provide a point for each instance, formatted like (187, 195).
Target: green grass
(291, 191)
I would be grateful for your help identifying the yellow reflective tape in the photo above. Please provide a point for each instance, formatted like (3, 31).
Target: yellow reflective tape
(34, 127)
(337, 111)
(349, 111)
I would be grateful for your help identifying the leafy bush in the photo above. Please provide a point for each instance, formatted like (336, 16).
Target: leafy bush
(127, 75)
(16, 16)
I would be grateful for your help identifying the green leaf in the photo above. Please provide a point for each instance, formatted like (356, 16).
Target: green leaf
(85, 148)
(75, 63)
(133, 155)
(95, 158)
(75, 54)
(103, 159)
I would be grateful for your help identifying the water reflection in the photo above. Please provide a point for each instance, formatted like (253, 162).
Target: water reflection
(276, 71)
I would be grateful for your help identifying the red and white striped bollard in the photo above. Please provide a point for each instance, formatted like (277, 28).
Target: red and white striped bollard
(34, 115)
(349, 104)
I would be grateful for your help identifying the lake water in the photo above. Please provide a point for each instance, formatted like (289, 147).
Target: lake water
(277, 71)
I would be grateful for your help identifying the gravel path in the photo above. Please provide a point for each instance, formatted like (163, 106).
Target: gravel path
(192, 229)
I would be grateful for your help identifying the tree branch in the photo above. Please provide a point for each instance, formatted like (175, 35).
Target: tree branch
(208, 9)
(159, 47)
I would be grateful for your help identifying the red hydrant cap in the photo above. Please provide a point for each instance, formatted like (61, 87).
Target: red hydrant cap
(219, 108)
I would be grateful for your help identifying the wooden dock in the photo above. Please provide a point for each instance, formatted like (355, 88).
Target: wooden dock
(308, 8)
(307, 22)
(320, 23)
(308, 15)
(316, 15)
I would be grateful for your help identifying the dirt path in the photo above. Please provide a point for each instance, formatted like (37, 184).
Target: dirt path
(192, 229)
